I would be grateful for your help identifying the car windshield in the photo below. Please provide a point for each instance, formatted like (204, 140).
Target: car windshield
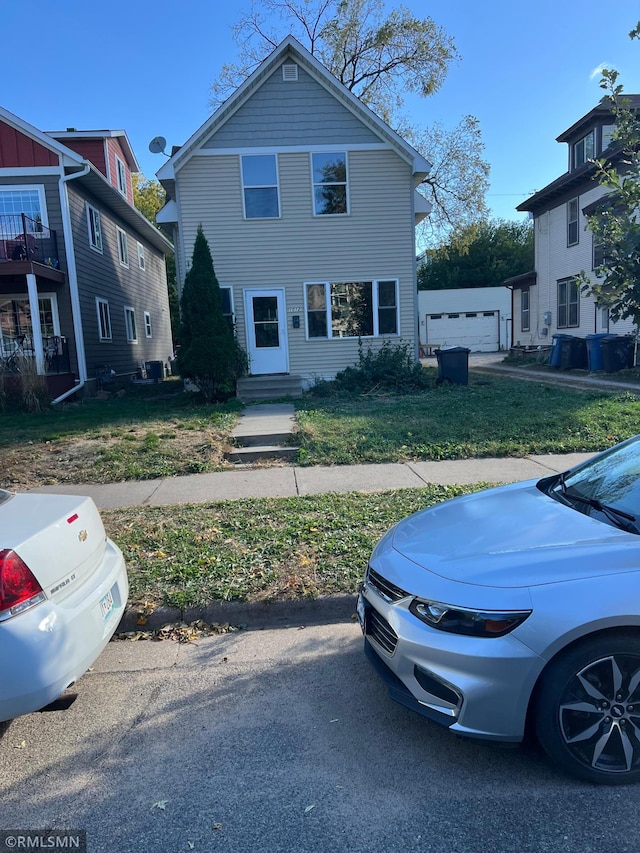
(4, 496)
(607, 487)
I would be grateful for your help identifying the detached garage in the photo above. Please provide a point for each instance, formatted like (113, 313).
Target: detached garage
(478, 318)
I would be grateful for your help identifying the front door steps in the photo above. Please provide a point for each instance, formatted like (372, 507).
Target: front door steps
(268, 387)
(263, 432)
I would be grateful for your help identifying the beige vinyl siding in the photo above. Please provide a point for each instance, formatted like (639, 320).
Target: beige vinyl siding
(291, 113)
(554, 260)
(102, 275)
(375, 241)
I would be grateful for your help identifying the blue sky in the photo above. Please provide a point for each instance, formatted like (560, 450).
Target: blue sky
(526, 72)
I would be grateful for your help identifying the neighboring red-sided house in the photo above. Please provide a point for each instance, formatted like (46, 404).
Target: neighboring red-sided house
(82, 272)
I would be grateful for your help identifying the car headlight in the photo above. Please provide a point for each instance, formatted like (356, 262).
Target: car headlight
(462, 620)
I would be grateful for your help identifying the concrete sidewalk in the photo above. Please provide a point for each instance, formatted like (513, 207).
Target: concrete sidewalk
(292, 481)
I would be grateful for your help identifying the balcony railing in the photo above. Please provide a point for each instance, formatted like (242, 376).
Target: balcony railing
(17, 355)
(26, 239)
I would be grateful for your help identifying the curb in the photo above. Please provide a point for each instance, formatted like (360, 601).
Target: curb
(251, 615)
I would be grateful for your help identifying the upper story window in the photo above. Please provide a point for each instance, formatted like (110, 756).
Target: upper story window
(147, 324)
(123, 248)
(583, 150)
(330, 195)
(568, 303)
(141, 262)
(352, 309)
(95, 228)
(121, 176)
(17, 200)
(572, 222)
(260, 186)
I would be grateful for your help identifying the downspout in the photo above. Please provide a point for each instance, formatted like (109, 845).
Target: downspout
(73, 284)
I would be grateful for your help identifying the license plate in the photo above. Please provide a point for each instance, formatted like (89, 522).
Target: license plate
(106, 605)
(360, 611)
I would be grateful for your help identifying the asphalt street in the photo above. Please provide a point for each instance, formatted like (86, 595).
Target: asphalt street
(283, 740)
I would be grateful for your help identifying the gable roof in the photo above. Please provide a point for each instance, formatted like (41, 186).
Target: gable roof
(93, 180)
(68, 157)
(120, 135)
(290, 48)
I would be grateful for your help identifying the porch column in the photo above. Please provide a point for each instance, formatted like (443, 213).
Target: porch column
(36, 330)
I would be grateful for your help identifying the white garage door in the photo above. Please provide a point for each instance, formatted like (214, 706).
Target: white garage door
(477, 330)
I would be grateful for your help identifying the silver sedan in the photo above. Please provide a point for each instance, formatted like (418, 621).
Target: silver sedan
(519, 607)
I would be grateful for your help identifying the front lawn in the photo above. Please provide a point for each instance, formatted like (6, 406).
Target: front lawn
(493, 416)
(265, 548)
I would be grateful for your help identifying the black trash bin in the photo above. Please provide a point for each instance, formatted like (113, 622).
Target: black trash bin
(155, 371)
(573, 353)
(453, 365)
(617, 353)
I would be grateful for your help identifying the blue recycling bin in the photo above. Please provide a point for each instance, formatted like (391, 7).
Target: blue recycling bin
(594, 350)
(555, 355)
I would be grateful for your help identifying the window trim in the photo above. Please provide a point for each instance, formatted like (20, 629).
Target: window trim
(375, 285)
(525, 312)
(130, 325)
(573, 221)
(582, 142)
(94, 227)
(565, 306)
(121, 176)
(315, 184)
(231, 316)
(39, 188)
(246, 187)
(148, 329)
(123, 246)
(142, 264)
(102, 308)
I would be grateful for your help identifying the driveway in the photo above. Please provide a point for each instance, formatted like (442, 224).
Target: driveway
(282, 740)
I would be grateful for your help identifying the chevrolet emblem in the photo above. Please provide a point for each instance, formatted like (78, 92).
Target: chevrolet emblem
(82, 536)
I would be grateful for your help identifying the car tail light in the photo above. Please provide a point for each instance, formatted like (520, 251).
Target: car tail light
(19, 589)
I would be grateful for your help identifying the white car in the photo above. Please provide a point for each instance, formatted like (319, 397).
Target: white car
(63, 590)
(519, 607)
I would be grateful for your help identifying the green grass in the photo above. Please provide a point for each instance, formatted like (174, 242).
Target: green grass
(152, 431)
(489, 417)
(261, 548)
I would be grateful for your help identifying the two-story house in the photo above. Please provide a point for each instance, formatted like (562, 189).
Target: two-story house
(549, 300)
(82, 272)
(308, 202)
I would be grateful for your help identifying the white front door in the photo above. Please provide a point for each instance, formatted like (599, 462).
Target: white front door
(266, 315)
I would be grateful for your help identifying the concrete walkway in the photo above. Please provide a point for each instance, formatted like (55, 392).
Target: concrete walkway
(292, 481)
(263, 422)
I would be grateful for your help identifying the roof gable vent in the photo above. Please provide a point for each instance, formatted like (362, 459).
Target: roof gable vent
(289, 71)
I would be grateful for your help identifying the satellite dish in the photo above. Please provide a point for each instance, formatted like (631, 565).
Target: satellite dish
(157, 145)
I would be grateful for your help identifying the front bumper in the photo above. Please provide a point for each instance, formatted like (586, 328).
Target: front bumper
(479, 687)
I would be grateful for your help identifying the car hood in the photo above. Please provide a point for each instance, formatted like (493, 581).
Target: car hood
(513, 536)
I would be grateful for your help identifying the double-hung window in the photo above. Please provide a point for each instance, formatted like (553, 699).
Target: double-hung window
(121, 176)
(330, 196)
(147, 324)
(583, 150)
(572, 222)
(260, 186)
(123, 249)
(352, 309)
(226, 295)
(568, 303)
(141, 262)
(104, 319)
(95, 228)
(130, 324)
(524, 311)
